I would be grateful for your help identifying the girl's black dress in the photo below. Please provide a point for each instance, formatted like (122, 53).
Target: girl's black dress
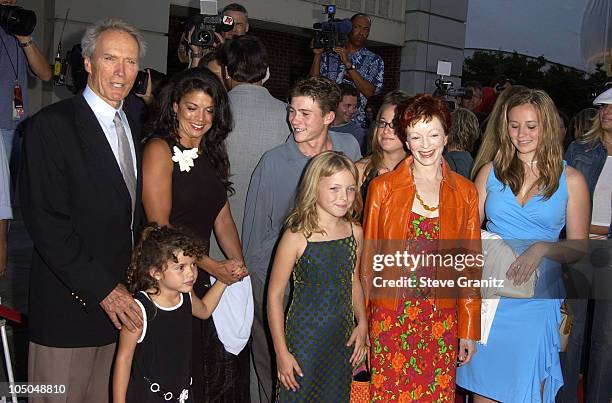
(161, 367)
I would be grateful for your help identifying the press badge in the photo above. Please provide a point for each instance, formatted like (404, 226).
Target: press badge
(18, 111)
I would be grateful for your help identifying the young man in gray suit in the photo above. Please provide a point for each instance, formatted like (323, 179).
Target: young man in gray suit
(271, 196)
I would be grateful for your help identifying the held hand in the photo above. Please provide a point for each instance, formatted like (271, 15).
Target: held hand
(227, 271)
(343, 53)
(121, 308)
(315, 51)
(360, 339)
(523, 267)
(240, 273)
(237, 268)
(467, 348)
(287, 367)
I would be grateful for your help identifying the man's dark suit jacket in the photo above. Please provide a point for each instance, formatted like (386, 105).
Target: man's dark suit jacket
(77, 209)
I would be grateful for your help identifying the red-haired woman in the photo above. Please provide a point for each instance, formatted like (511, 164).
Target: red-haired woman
(414, 331)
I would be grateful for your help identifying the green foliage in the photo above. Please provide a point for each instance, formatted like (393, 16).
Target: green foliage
(571, 89)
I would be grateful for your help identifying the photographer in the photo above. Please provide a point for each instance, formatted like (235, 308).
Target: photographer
(18, 56)
(353, 64)
(240, 27)
(241, 20)
(473, 102)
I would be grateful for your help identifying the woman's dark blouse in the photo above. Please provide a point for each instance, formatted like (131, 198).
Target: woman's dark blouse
(197, 196)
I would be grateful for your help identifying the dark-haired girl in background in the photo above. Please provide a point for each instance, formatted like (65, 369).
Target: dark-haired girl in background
(387, 149)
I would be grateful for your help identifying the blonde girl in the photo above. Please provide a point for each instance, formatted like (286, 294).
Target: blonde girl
(320, 248)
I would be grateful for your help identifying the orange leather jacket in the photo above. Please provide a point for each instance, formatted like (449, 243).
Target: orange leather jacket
(386, 215)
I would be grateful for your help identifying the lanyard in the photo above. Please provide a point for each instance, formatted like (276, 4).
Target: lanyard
(14, 66)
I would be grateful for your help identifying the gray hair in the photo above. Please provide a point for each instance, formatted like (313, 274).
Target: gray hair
(235, 7)
(91, 35)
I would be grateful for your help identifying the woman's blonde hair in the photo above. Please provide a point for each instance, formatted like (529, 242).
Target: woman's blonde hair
(582, 122)
(304, 217)
(492, 133)
(594, 133)
(394, 98)
(508, 167)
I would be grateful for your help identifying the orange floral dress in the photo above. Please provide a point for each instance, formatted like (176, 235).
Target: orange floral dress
(414, 347)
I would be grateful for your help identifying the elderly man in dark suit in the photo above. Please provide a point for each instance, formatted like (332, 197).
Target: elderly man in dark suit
(80, 188)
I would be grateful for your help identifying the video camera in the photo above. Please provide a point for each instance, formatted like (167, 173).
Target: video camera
(206, 26)
(444, 88)
(207, 23)
(331, 33)
(17, 21)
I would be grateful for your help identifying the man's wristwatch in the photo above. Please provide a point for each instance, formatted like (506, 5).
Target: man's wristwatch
(349, 68)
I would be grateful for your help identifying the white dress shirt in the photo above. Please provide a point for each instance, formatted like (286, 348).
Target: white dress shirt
(105, 115)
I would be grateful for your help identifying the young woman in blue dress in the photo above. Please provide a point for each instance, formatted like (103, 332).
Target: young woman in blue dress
(528, 194)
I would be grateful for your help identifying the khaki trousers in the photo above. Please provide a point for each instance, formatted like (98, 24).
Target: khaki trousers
(86, 372)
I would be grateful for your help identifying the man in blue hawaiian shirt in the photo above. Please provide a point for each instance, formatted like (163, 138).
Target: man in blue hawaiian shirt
(353, 64)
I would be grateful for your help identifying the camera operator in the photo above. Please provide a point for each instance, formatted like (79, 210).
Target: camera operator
(473, 102)
(18, 56)
(353, 64)
(241, 26)
(241, 20)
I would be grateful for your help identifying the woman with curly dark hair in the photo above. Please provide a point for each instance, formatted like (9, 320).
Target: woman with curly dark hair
(185, 183)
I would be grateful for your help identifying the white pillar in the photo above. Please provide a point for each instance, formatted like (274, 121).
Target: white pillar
(435, 30)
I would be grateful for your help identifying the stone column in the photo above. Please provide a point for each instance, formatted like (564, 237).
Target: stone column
(435, 30)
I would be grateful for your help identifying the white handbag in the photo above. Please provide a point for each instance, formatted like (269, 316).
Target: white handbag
(498, 256)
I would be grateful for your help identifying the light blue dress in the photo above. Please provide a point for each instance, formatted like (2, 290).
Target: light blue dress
(523, 346)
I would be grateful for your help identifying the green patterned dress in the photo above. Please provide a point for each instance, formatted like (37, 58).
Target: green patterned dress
(320, 322)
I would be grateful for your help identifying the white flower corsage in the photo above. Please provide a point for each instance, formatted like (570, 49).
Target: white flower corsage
(184, 158)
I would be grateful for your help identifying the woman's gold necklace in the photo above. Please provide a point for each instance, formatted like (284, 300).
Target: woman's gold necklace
(418, 196)
(425, 206)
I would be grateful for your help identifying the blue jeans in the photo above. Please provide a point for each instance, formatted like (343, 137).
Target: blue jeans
(599, 386)
(599, 373)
